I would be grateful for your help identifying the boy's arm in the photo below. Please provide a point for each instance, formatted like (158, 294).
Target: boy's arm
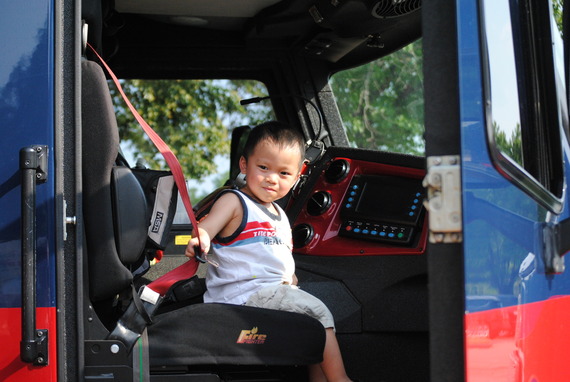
(224, 213)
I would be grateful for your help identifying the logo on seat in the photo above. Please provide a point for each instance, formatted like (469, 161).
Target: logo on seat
(251, 337)
(157, 222)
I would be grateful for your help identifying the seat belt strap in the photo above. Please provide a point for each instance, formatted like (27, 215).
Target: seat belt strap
(141, 372)
(162, 284)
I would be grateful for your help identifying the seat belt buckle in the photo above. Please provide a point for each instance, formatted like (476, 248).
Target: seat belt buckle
(203, 257)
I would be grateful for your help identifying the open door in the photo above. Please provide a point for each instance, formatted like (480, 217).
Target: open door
(497, 148)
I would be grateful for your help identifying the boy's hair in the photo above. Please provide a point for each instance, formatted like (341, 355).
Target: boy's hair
(278, 132)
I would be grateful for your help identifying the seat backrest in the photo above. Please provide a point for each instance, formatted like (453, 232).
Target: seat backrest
(114, 205)
(239, 137)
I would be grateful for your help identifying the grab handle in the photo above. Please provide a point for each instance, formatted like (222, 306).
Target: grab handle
(33, 168)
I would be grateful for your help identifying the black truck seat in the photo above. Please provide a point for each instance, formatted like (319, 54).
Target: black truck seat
(115, 231)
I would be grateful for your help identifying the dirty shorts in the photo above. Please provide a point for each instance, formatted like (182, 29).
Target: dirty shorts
(290, 298)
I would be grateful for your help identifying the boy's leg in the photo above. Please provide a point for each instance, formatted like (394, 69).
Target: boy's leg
(332, 365)
(316, 373)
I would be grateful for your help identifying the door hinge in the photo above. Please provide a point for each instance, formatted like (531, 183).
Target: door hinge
(443, 184)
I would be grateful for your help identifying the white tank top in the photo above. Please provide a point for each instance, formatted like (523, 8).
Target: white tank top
(258, 254)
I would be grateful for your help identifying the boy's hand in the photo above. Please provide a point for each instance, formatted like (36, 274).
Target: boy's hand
(193, 244)
(193, 250)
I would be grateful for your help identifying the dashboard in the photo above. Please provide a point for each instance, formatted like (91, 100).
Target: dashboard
(358, 203)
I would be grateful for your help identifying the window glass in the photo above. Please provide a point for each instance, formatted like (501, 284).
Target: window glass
(504, 95)
(195, 118)
(381, 103)
(524, 94)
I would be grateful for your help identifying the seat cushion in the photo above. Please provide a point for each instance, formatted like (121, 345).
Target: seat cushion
(223, 334)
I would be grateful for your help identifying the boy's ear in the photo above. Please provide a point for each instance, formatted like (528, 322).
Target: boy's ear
(242, 164)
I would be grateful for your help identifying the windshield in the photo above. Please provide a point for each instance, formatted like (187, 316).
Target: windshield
(381, 103)
(193, 116)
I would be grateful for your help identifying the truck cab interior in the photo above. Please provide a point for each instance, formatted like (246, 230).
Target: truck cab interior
(357, 216)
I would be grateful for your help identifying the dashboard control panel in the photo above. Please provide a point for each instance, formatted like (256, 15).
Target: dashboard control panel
(382, 208)
(360, 207)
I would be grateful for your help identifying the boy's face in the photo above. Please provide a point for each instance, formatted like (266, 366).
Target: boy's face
(270, 171)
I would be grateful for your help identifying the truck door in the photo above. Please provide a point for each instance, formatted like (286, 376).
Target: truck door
(37, 294)
(497, 148)
(27, 282)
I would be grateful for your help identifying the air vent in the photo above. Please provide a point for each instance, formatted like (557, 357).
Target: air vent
(337, 170)
(319, 203)
(302, 235)
(394, 8)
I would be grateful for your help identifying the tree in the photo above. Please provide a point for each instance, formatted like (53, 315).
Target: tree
(194, 117)
(381, 103)
(511, 146)
(557, 5)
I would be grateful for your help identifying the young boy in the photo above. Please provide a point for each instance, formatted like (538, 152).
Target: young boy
(251, 239)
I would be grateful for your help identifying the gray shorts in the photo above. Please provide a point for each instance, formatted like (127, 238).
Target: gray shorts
(291, 299)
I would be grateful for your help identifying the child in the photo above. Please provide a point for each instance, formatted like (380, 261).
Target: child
(251, 239)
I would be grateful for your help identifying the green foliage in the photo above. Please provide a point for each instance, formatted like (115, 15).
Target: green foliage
(381, 103)
(512, 146)
(557, 5)
(194, 118)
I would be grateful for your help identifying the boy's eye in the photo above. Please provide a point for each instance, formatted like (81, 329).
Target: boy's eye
(262, 167)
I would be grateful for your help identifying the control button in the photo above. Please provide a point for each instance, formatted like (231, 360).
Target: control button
(357, 230)
(355, 187)
(400, 235)
(348, 228)
(413, 207)
(352, 200)
(352, 193)
(391, 234)
(365, 231)
(348, 205)
(412, 213)
(416, 201)
(382, 233)
(374, 232)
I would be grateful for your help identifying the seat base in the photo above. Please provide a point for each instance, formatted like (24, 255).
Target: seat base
(224, 373)
(224, 334)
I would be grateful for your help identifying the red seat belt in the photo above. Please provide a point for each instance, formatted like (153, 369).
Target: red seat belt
(188, 269)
